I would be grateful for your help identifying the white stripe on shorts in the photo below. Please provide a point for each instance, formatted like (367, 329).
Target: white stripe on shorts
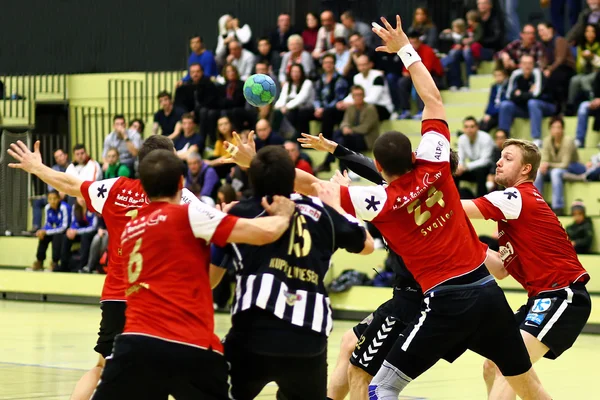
(266, 284)
(413, 333)
(557, 314)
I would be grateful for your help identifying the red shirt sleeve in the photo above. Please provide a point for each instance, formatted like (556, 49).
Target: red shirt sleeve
(85, 192)
(347, 201)
(304, 166)
(223, 230)
(436, 125)
(488, 210)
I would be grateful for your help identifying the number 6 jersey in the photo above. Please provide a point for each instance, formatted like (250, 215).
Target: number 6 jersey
(420, 215)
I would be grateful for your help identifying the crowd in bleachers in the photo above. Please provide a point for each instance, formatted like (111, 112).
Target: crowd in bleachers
(330, 72)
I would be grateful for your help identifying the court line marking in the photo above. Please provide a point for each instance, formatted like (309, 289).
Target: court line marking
(13, 364)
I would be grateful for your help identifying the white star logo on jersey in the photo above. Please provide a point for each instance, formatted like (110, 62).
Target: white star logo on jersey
(136, 194)
(123, 191)
(129, 192)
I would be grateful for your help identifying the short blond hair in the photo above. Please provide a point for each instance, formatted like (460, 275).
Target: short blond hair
(295, 37)
(530, 153)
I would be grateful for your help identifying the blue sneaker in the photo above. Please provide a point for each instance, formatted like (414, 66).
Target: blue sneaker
(404, 115)
(417, 116)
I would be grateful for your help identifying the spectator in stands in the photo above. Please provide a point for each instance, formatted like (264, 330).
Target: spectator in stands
(475, 150)
(296, 55)
(423, 24)
(358, 47)
(497, 96)
(226, 194)
(309, 34)
(327, 33)
(230, 31)
(586, 67)
(200, 97)
(83, 228)
(201, 179)
(231, 98)
(268, 54)
(581, 231)
(241, 58)
(128, 142)
(279, 37)
(499, 139)
(191, 141)
(137, 125)
(358, 130)
(341, 53)
(586, 110)
(97, 249)
(293, 149)
(57, 221)
(557, 13)
(405, 85)
(528, 96)
(168, 117)
(83, 166)
(199, 55)
(295, 101)
(112, 166)
(559, 155)
(591, 174)
(225, 133)
(61, 159)
(265, 135)
(527, 45)
(330, 90)
(238, 179)
(352, 25)
(591, 15)
(493, 26)
(559, 59)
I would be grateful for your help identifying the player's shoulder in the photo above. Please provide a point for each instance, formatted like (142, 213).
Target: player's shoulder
(248, 208)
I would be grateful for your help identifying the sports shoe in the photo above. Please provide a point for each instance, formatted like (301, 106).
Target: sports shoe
(453, 88)
(404, 114)
(578, 143)
(417, 116)
(37, 266)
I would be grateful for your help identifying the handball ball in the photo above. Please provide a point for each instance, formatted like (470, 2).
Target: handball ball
(259, 90)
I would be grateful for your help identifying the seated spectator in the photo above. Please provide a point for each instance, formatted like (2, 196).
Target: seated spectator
(296, 55)
(83, 166)
(591, 15)
(231, 98)
(57, 221)
(230, 31)
(97, 249)
(527, 45)
(112, 167)
(295, 102)
(559, 61)
(268, 54)
(341, 53)
(293, 149)
(405, 85)
(61, 159)
(238, 179)
(328, 31)
(586, 110)
(591, 174)
(309, 35)
(358, 47)
(358, 130)
(137, 125)
(581, 231)
(391, 65)
(226, 194)
(201, 179)
(497, 96)
(168, 118)
(224, 133)
(375, 87)
(330, 89)
(352, 26)
(499, 139)
(559, 155)
(528, 96)
(475, 150)
(422, 23)
(128, 143)
(191, 141)
(279, 37)
(199, 55)
(586, 67)
(265, 135)
(455, 34)
(493, 27)
(241, 58)
(83, 228)
(200, 97)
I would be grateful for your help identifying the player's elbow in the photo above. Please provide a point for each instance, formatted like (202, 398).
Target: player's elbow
(501, 273)
(215, 275)
(369, 246)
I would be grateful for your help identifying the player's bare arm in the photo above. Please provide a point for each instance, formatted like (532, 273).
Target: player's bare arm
(494, 264)
(31, 162)
(396, 41)
(215, 274)
(471, 209)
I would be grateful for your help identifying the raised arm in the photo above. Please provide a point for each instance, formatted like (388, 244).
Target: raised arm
(396, 41)
(471, 209)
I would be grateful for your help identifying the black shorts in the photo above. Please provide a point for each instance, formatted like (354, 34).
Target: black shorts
(456, 318)
(111, 325)
(298, 378)
(143, 367)
(556, 318)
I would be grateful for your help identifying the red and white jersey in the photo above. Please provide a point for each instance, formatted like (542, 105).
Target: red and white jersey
(534, 247)
(420, 214)
(167, 259)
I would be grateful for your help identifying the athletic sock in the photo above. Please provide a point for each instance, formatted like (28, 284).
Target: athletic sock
(388, 383)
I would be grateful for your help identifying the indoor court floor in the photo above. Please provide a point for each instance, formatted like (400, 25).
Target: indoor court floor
(45, 348)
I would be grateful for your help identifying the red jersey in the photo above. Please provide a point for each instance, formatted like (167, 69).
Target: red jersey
(167, 260)
(420, 214)
(304, 166)
(534, 247)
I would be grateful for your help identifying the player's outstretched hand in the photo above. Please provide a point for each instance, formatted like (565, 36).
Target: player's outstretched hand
(281, 206)
(226, 207)
(342, 180)
(329, 193)
(27, 160)
(243, 153)
(394, 38)
(319, 143)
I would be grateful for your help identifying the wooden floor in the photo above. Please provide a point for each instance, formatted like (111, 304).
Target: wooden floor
(45, 348)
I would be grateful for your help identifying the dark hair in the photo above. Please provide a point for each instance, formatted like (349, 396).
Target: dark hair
(160, 173)
(471, 118)
(139, 121)
(355, 34)
(428, 23)
(556, 118)
(414, 34)
(78, 211)
(264, 38)
(340, 39)
(188, 115)
(79, 146)
(348, 14)
(59, 149)
(474, 15)
(223, 72)
(119, 116)
(302, 77)
(194, 36)
(393, 151)
(194, 64)
(453, 160)
(547, 24)
(155, 142)
(506, 135)
(54, 192)
(329, 55)
(582, 40)
(228, 193)
(164, 93)
(357, 87)
(500, 68)
(272, 172)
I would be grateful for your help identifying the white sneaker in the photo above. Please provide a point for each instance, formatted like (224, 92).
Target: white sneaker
(464, 89)
(394, 115)
(538, 143)
(578, 143)
(453, 88)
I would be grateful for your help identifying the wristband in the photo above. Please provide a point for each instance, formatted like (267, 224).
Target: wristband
(408, 55)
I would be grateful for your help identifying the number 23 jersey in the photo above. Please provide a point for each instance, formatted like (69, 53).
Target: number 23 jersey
(420, 214)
